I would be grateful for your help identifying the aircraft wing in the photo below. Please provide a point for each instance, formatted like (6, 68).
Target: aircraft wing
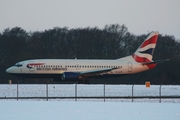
(156, 62)
(95, 72)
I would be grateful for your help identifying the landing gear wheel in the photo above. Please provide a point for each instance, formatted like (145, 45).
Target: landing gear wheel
(86, 81)
(83, 81)
(80, 81)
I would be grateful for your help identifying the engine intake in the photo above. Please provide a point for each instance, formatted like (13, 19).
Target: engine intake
(70, 76)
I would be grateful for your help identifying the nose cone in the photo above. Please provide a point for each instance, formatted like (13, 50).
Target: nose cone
(9, 70)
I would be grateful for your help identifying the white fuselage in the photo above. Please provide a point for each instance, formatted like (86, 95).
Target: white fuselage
(58, 66)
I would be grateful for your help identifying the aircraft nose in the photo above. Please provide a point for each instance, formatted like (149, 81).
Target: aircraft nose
(9, 70)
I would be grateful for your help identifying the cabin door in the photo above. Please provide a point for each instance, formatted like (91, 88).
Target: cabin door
(130, 67)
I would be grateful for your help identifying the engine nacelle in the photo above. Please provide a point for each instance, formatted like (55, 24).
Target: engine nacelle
(70, 76)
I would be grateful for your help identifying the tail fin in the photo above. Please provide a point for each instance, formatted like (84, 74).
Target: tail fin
(145, 51)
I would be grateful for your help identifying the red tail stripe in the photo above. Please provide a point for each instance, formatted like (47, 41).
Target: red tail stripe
(152, 40)
(150, 66)
(140, 59)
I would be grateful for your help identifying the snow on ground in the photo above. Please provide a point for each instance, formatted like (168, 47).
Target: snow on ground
(63, 110)
(94, 109)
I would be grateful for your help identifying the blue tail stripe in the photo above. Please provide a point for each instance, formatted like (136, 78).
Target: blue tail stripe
(148, 51)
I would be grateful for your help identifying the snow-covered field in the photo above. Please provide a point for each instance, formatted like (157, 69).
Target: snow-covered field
(68, 109)
(63, 110)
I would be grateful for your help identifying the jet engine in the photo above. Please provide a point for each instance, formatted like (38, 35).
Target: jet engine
(70, 76)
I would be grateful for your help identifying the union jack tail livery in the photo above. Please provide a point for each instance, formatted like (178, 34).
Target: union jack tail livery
(145, 52)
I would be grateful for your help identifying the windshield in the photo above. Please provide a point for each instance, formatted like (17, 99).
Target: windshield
(18, 65)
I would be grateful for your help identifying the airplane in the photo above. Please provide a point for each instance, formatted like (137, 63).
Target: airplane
(83, 69)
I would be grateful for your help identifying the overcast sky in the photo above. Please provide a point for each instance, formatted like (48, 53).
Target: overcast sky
(140, 16)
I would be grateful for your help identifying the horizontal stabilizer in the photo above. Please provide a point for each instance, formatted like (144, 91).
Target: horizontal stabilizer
(155, 62)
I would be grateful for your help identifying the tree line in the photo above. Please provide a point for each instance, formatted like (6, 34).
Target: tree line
(112, 42)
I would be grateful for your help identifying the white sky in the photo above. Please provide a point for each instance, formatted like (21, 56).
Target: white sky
(140, 16)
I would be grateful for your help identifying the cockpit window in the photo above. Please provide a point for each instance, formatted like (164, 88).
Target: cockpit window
(18, 65)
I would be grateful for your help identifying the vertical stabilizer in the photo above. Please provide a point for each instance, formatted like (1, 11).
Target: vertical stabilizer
(145, 51)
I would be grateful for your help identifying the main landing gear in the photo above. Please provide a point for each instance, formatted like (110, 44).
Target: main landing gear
(83, 81)
(23, 80)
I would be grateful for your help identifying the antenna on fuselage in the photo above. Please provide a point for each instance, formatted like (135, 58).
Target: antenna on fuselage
(75, 57)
